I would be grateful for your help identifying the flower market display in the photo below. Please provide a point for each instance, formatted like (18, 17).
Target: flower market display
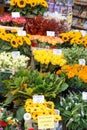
(38, 109)
(29, 7)
(34, 62)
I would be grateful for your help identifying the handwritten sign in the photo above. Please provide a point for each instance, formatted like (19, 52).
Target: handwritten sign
(45, 122)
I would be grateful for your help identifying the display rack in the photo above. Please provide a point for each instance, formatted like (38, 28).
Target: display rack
(80, 15)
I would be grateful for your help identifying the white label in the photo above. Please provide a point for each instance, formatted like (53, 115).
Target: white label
(50, 33)
(38, 99)
(84, 96)
(57, 51)
(15, 14)
(82, 61)
(21, 33)
(15, 54)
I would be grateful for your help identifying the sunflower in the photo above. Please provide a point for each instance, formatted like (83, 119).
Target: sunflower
(27, 40)
(14, 43)
(13, 3)
(65, 38)
(20, 40)
(57, 118)
(21, 3)
(2, 31)
(33, 3)
(9, 36)
(44, 3)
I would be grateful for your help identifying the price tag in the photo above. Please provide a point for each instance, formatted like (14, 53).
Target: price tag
(82, 61)
(84, 96)
(15, 54)
(50, 33)
(57, 51)
(38, 99)
(21, 33)
(46, 122)
(15, 14)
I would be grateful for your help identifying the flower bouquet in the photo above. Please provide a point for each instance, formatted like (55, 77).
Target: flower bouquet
(28, 7)
(73, 110)
(7, 120)
(7, 20)
(75, 76)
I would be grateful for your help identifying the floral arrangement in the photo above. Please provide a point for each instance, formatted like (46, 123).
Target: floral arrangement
(10, 21)
(73, 54)
(29, 7)
(43, 41)
(10, 41)
(75, 70)
(38, 109)
(47, 56)
(14, 39)
(70, 38)
(8, 62)
(7, 121)
(73, 110)
(39, 26)
(25, 83)
(75, 76)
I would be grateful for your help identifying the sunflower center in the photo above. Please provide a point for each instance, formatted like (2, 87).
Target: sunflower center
(14, 42)
(21, 2)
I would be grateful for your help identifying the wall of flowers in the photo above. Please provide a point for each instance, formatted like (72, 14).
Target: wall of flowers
(34, 63)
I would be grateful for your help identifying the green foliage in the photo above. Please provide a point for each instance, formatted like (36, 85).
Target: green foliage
(75, 53)
(74, 111)
(28, 10)
(26, 83)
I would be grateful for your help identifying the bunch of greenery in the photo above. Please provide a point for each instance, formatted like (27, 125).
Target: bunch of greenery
(75, 53)
(28, 82)
(74, 111)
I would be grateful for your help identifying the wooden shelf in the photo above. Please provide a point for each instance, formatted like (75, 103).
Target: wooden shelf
(80, 3)
(79, 27)
(11, 28)
(79, 16)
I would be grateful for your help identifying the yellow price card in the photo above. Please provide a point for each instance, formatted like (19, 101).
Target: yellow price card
(45, 122)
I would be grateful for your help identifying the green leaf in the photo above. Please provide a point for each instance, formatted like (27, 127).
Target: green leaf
(20, 113)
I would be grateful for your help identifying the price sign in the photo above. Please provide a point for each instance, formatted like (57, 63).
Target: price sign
(50, 33)
(45, 122)
(82, 61)
(38, 99)
(21, 33)
(15, 14)
(15, 54)
(84, 96)
(57, 51)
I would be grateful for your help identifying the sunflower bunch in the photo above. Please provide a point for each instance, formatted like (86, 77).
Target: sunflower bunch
(28, 7)
(14, 40)
(70, 38)
(38, 109)
(74, 70)
(47, 56)
(10, 41)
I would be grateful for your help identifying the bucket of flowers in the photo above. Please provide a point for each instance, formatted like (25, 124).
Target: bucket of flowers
(7, 120)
